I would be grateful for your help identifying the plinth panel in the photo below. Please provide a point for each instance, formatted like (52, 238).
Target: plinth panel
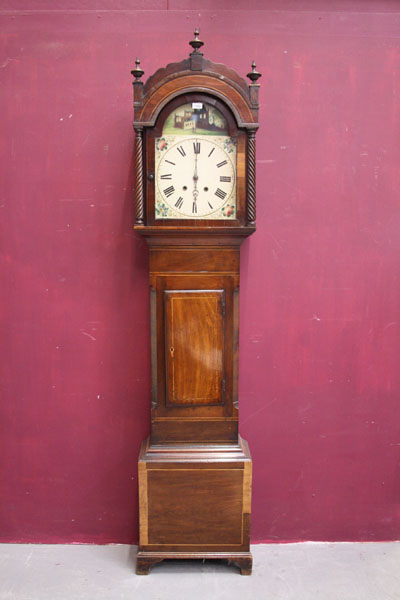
(195, 506)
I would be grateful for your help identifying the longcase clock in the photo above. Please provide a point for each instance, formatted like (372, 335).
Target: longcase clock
(195, 124)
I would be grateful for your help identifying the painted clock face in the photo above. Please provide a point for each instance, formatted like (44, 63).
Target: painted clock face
(195, 170)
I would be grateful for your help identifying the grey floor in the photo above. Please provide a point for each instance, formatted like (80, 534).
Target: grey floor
(309, 571)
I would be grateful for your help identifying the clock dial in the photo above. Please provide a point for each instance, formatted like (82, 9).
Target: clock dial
(195, 177)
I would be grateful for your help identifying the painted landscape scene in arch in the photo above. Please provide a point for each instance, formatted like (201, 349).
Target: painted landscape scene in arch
(195, 118)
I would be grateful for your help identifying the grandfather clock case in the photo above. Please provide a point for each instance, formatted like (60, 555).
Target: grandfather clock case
(195, 123)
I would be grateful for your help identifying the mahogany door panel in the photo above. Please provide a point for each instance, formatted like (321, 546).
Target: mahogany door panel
(193, 344)
(194, 338)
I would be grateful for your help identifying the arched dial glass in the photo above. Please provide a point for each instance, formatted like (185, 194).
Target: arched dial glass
(195, 170)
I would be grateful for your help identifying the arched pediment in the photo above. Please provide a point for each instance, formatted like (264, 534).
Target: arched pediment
(196, 74)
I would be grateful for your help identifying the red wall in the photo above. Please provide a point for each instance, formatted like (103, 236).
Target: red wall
(320, 297)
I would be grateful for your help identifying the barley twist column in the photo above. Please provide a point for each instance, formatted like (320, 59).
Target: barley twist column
(139, 198)
(251, 178)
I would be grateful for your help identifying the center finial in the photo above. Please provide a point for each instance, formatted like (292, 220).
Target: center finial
(196, 43)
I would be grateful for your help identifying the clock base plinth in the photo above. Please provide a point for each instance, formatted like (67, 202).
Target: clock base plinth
(146, 560)
(194, 502)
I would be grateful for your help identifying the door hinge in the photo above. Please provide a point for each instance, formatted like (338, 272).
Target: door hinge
(223, 305)
(223, 385)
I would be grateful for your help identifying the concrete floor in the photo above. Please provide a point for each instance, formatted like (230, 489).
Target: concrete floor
(309, 571)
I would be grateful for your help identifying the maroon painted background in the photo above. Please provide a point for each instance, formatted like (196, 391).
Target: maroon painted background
(320, 297)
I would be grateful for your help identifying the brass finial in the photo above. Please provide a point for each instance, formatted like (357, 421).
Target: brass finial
(137, 72)
(196, 43)
(253, 75)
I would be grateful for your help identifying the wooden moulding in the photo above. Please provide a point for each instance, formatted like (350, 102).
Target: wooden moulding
(185, 235)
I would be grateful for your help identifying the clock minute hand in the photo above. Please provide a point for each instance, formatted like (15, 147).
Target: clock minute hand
(195, 180)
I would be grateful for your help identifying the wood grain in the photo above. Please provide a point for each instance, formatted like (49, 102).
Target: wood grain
(211, 514)
(194, 347)
(190, 259)
(143, 504)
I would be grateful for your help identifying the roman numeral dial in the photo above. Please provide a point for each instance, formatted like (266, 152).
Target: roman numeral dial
(195, 177)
